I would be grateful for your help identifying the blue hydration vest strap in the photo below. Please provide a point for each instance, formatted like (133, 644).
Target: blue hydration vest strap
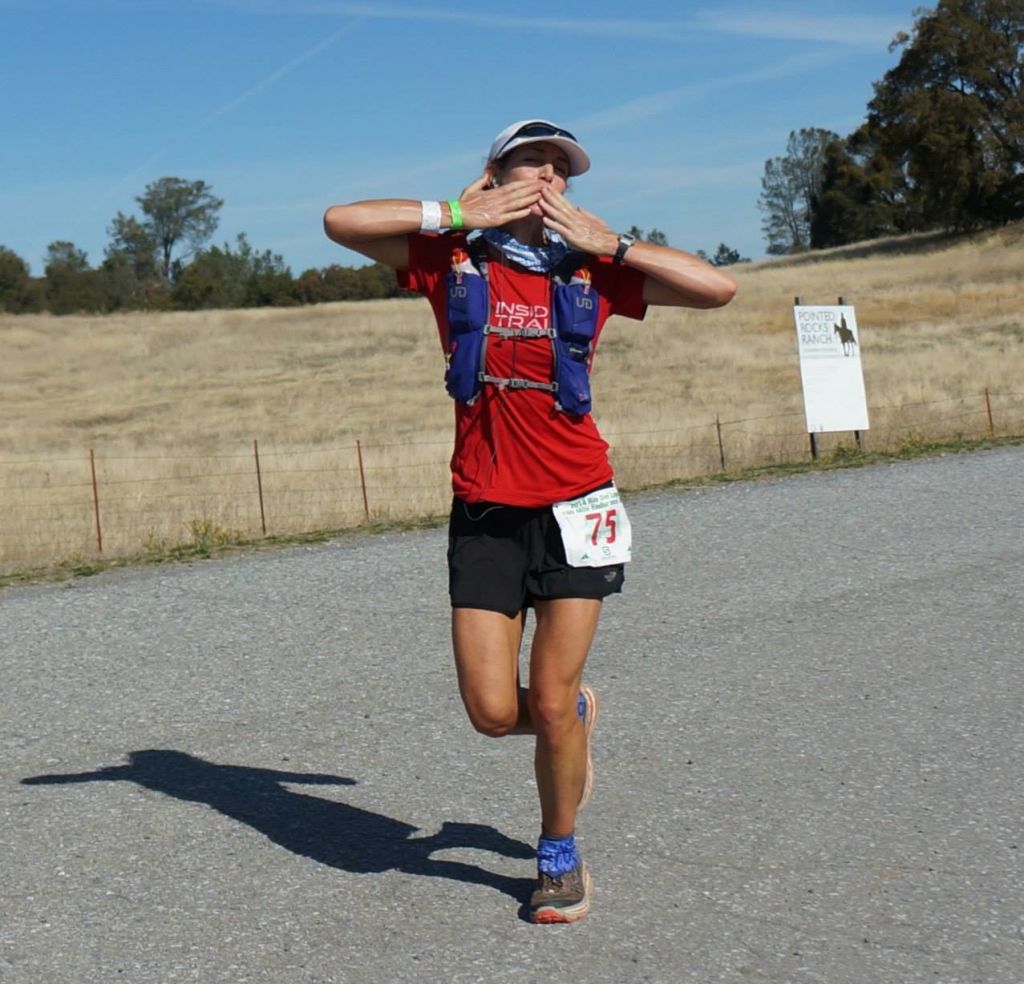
(574, 309)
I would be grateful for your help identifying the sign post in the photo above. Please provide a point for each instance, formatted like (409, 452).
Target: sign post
(831, 372)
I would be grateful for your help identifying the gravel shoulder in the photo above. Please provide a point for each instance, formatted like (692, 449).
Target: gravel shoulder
(256, 768)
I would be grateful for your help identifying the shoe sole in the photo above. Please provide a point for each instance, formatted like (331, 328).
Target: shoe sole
(588, 728)
(548, 914)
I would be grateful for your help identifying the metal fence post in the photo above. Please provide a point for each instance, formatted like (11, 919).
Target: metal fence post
(96, 500)
(259, 485)
(362, 480)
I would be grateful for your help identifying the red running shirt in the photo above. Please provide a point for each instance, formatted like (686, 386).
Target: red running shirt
(515, 447)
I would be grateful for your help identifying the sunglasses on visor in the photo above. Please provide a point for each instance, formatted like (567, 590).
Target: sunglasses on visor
(537, 130)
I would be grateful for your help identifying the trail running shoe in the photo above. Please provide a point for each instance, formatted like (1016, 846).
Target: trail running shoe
(586, 707)
(563, 899)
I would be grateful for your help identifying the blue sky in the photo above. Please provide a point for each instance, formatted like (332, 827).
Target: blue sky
(287, 107)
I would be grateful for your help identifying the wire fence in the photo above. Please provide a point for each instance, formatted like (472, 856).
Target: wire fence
(71, 508)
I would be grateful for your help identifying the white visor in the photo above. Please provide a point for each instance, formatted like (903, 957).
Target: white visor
(540, 131)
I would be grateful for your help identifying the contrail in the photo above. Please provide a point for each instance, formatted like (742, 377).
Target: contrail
(274, 76)
(232, 104)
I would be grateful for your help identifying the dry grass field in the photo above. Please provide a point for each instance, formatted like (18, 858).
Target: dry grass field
(172, 403)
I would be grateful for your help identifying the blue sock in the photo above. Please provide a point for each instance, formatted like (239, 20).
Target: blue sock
(557, 855)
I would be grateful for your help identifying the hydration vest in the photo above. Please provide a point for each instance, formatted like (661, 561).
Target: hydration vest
(573, 322)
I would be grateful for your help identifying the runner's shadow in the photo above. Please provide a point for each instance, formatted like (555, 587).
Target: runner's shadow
(328, 832)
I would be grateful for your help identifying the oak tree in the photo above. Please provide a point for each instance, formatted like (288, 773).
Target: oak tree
(949, 117)
(178, 214)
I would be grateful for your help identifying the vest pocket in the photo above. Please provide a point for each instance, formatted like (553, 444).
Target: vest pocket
(573, 394)
(576, 309)
(467, 314)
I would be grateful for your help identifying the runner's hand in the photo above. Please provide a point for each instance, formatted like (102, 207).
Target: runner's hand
(486, 207)
(579, 228)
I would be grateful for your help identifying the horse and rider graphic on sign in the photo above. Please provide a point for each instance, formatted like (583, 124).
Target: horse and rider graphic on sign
(846, 336)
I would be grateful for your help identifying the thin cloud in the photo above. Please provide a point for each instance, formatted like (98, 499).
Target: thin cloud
(767, 23)
(123, 6)
(646, 107)
(617, 28)
(659, 103)
(653, 182)
(771, 23)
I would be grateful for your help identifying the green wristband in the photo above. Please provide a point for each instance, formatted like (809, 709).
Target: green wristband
(456, 210)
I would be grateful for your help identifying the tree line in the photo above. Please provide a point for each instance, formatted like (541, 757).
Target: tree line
(159, 260)
(942, 145)
(722, 256)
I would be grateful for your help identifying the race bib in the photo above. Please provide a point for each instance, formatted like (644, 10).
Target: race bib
(595, 529)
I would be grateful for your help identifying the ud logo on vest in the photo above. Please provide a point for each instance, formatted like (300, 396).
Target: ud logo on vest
(583, 299)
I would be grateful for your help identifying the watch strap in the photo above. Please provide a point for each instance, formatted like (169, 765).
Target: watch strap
(625, 241)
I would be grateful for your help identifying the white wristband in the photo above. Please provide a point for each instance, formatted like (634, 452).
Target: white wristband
(430, 216)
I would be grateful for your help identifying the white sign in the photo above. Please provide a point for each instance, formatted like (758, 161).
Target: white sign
(830, 368)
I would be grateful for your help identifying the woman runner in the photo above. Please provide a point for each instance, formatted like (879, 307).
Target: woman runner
(521, 282)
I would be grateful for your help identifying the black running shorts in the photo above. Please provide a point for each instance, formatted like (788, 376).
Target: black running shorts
(502, 558)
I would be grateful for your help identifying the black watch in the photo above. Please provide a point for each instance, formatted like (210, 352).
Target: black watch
(625, 241)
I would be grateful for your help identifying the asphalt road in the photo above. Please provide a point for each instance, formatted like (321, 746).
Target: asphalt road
(256, 769)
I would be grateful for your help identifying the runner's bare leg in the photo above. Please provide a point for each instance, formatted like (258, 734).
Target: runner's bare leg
(486, 646)
(565, 630)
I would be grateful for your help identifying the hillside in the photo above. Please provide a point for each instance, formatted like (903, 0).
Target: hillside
(941, 320)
